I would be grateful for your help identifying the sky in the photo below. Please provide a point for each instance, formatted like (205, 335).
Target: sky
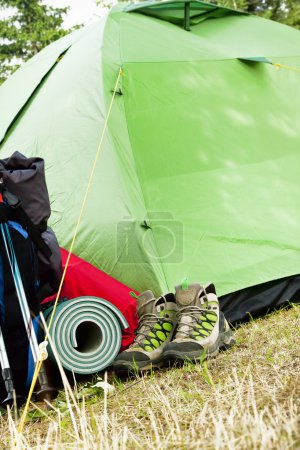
(81, 11)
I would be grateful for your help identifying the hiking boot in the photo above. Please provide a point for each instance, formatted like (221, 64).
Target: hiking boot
(157, 320)
(202, 328)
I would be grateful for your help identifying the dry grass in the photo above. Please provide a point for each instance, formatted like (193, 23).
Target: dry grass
(246, 398)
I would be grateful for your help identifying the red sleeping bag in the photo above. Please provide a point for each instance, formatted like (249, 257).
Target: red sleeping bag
(83, 279)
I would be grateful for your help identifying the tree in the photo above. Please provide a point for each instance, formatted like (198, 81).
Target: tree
(26, 26)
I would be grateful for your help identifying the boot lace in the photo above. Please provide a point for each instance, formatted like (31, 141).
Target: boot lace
(146, 322)
(193, 312)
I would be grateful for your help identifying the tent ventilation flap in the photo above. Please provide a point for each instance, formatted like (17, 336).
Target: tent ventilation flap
(184, 13)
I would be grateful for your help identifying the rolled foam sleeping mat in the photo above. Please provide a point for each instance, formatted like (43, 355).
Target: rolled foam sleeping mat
(87, 333)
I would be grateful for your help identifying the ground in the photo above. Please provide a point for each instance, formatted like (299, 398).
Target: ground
(246, 398)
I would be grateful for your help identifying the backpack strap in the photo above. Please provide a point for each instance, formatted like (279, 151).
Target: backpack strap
(19, 214)
(4, 211)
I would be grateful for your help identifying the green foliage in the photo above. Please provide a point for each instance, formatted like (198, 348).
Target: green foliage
(284, 11)
(26, 26)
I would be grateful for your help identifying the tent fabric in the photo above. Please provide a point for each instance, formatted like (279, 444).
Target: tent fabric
(83, 279)
(26, 80)
(198, 172)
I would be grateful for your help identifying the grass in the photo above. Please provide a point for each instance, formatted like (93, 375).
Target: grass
(246, 398)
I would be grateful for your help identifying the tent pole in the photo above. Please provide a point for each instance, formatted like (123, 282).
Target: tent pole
(186, 23)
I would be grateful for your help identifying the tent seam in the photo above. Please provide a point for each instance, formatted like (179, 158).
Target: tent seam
(235, 58)
(138, 178)
(31, 96)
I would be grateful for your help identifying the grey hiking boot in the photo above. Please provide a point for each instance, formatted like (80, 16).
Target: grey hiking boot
(202, 328)
(157, 321)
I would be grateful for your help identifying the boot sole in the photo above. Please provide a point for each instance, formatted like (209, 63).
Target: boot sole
(224, 342)
(127, 368)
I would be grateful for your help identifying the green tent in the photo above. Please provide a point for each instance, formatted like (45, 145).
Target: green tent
(198, 175)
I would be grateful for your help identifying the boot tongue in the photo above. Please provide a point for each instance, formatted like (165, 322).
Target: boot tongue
(144, 303)
(189, 296)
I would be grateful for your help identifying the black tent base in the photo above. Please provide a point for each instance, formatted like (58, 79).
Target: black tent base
(255, 301)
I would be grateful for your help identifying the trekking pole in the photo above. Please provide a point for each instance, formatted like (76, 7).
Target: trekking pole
(7, 376)
(45, 392)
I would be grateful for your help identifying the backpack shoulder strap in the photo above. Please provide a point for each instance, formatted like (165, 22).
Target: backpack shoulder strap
(19, 214)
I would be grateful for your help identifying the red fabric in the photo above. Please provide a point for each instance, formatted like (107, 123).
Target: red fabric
(84, 279)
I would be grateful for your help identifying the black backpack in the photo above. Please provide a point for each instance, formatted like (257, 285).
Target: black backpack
(26, 195)
(25, 209)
